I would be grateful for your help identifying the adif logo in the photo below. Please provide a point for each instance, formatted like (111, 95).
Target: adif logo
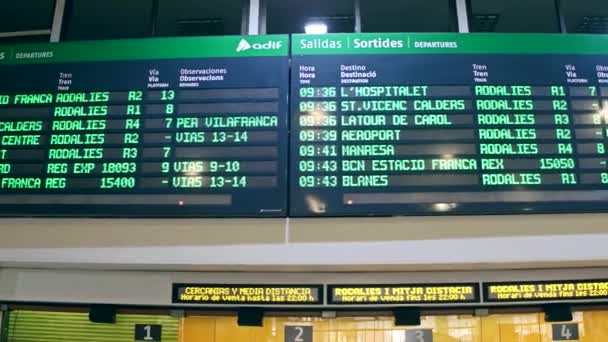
(243, 45)
(270, 45)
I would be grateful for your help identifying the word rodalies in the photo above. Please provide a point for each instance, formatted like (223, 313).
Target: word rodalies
(378, 291)
(226, 291)
(549, 287)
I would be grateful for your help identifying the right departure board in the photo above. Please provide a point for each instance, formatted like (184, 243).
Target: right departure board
(401, 124)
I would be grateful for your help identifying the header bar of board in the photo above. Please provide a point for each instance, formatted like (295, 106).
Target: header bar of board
(447, 43)
(145, 49)
(278, 45)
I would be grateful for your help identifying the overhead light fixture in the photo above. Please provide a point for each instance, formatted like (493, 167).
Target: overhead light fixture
(444, 206)
(102, 314)
(315, 28)
(593, 24)
(250, 317)
(407, 316)
(200, 27)
(558, 313)
(485, 22)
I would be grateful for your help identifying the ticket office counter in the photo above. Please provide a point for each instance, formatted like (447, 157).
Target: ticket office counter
(39, 326)
(516, 327)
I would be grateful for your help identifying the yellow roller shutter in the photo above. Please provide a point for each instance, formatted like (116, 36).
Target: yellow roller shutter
(45, 326)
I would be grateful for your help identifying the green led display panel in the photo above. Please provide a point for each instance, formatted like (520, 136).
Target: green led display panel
(155, 127)
(403, 124)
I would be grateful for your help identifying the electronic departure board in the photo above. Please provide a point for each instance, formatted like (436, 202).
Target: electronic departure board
(397, 124)
(534, 291)
(420, 295)
(414, 294)
(157, 127)
(247, 294)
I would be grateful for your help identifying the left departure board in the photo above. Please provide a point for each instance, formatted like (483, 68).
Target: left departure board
(157, 127)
